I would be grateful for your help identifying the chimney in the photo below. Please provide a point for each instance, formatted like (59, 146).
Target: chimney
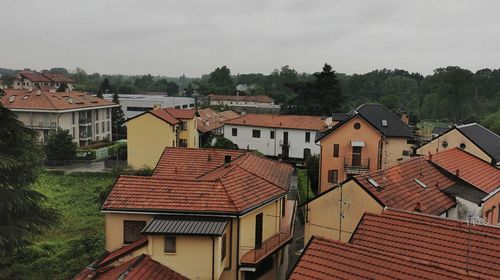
(457, 172)
(430, 157)
(405, 118)
(227, 159)
(418, 207)
(380, 188)
(156, 107)
(209, 158)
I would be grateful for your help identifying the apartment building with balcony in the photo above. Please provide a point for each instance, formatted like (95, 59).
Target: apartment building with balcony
(150, 132)
(204, 213)
(32, 80)
(289, 137)
(370, 138)
(87, 118)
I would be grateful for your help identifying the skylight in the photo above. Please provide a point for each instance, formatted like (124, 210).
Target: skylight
(384, 122)
(375, 184)
(421, 183)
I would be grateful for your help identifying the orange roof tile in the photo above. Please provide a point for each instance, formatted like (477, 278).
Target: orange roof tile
(141, 267)
(330, 259)
(436, 241)
(281, 121)
(58, 78)
(210, 119)
(125, 250)
(400, 190)
(197, 180)
(171, 115)
(46, 100)
(34, 77)
(243, 98)
(162, 114)
(189, 163)
(471, 169)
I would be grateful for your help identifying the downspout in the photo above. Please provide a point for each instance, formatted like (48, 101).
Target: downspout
(231, 245)
(341, 210)
(380, 152)
(238, 252)
(213, 258)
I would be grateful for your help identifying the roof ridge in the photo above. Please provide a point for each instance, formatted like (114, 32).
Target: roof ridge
(44, 93)
(221, 165)
(231, 201)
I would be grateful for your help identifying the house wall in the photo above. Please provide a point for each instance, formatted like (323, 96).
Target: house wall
(271, 224)
(114, 228)
(454, 138)
(491, 209)
(191, 134)
(147, 137)
(272, 147)
(392, 151)
(193, 256)
(343, 136)
(323, 213)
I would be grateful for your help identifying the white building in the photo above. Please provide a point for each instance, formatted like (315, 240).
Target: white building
(87, 118)
(245, 103)
(287, 136)
(135, 104)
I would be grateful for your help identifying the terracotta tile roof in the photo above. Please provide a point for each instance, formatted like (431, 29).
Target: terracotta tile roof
(471, 169)
(281, 121)
(141, 267)
(402, 191)
(330, 259)
(34, 77)
(188, 163)
(210, 119)
(125, 250)
(46, 100)
(436, 241)
(171, 115)
(58, 78)
(185, 180)
(243, 98)
(137, 193)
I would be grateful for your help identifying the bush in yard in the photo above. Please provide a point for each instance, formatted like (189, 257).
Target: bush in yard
(60, 146)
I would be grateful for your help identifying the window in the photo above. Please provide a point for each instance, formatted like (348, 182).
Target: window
(132, 230)
(272, 134)
(183, 142)
(73, 133)
(184, 106)
(139, 109)
(406, 153)
(108, 113)
(169, 244)
(177, 107)
(357, 126)
(462, 146)
(336, 150)
(223, 248)
(308, 137)
(234, 132)
(73, 118)
(103, 128)
(97, 128)
(333, 176)
(97, 115)
(184, 125)
(107, 126)
(256, 133)
(307, 153)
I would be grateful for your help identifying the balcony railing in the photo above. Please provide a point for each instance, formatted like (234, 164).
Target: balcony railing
(85, 135)
(276, 241)
(47, 125)
(356, 162)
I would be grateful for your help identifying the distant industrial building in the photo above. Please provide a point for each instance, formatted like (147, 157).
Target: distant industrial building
(135, 104)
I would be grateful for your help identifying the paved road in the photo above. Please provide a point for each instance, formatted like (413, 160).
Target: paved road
(298, 236)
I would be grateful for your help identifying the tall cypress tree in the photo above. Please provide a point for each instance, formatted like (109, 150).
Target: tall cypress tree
(22, 214)
(117, 118)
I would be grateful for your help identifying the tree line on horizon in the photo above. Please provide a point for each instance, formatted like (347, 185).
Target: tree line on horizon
(450, 94)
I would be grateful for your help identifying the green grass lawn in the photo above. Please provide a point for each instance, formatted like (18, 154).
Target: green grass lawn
(77, 239)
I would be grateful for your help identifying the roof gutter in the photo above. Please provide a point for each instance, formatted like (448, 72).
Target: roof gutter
(129, 211)
(63, 110)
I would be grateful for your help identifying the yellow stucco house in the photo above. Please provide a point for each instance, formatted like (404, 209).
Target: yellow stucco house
(149, 133)
(472, 138)
(368, 139)
(203, 214)
(415, 184)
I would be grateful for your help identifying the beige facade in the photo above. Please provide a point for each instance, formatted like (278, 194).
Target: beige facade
(195, 255)
(452, 139)
(357, 147)
(325, 216)
(148, 136)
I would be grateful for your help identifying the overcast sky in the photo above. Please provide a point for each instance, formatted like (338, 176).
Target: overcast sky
(171, 38)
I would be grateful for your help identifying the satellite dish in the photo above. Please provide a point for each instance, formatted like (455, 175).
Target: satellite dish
(213, 142)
